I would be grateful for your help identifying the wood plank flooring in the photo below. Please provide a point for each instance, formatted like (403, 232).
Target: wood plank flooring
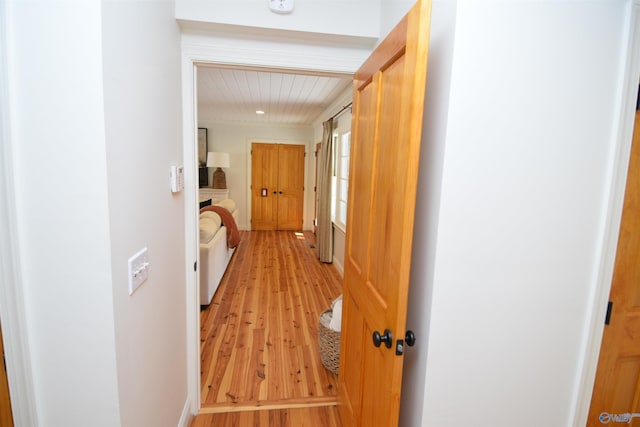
(259, 343)
(306, 417)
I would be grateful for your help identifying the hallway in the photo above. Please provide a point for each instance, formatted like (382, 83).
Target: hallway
(259, 343)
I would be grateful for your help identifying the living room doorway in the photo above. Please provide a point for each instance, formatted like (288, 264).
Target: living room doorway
(297, 62)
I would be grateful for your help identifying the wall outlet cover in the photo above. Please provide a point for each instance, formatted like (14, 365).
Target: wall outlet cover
(138, 268)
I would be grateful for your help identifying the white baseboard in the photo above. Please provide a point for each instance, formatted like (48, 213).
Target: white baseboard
(186, 416)
(338, 265)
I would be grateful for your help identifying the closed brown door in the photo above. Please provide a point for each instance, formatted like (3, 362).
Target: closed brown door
(277, 186)
(386, 129)
(6, 417)
(616, 394)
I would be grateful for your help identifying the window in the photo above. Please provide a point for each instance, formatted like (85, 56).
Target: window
(340, 174)
(343, 179)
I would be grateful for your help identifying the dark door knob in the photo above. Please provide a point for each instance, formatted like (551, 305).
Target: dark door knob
(280, 192)
(410, 338)
(275, 192)
(379, 339)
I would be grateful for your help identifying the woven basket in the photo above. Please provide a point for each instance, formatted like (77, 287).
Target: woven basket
(329, 341)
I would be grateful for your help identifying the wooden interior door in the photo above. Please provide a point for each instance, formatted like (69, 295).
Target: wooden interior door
(290, 186)
(388, 105)
(6, 417)
(264, 186)
(616, 394)
(277, 186)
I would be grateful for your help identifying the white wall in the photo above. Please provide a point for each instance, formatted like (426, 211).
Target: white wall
(143, 115)
(91, 185)
(339, 243)
(434, 137)
(524, 197)
(392, 11)
(63, 230)
(308, 16)
(12, 313)
(236, 140)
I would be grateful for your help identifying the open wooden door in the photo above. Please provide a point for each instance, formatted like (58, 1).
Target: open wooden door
(616, 394)
(388, 104)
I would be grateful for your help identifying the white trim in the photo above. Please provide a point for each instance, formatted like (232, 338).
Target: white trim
(192, 254)
(12, 305)
(338, 265)
(272, 54)
(619, 168)
(186, 416)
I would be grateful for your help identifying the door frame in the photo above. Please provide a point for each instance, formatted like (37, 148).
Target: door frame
(12, 303)
(594, 329)
(273, 53)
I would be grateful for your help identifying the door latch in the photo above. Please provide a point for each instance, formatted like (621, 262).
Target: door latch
(409, 339)
(607, 318)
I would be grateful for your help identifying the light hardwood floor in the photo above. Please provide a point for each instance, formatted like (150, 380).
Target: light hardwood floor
(326, 416)
(259, 343)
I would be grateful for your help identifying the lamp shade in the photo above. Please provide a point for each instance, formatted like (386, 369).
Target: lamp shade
(217, 160)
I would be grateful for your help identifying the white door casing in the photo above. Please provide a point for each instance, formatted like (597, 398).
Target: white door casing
(275, 53)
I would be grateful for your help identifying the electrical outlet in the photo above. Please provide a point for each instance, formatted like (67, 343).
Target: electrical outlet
(138, 270)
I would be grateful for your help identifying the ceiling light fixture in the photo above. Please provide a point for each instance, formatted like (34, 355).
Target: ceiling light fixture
(259, 112)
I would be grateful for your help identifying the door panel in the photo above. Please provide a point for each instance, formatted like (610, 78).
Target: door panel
(361, 175)
(350, 387)
(390, 188)
(388, 107)
(290, 186)
(617, 386)
(264, 174)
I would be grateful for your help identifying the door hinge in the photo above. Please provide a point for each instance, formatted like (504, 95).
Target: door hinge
(607, 318)
(195, 266)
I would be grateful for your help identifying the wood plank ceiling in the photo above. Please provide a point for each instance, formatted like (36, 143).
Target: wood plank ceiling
(233, 95)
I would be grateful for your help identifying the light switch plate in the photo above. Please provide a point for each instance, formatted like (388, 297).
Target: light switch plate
(281, 6)
(138, 270)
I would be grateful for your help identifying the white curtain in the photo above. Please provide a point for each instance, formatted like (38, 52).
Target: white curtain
(325, 172)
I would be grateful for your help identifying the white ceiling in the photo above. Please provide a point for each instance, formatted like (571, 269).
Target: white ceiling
(294, 99)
